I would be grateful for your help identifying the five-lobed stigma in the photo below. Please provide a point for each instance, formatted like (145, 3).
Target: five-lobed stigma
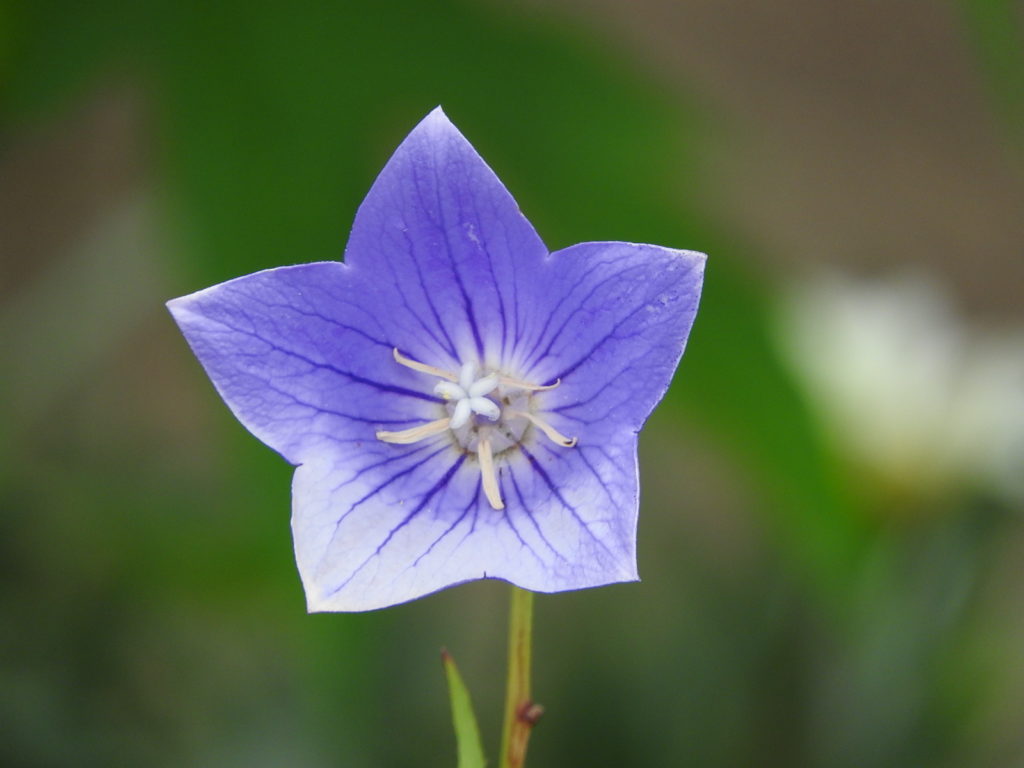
(487, 416)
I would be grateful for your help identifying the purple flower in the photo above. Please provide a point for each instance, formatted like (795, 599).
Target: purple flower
(460, 404)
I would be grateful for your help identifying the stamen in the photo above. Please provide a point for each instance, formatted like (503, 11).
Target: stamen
(471, 396)
(553, 434)
(490, 479)
(408, 362)
(414, 435)
(518, 384)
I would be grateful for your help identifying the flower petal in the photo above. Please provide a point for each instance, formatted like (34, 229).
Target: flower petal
(390, 527)
(619, 317)
(304, 358)
(444, 275)
(442, 231)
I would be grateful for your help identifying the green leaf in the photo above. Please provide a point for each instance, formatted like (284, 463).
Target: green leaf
(467, 733)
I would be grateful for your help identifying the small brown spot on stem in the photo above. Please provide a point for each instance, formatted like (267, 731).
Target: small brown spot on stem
(529, 712)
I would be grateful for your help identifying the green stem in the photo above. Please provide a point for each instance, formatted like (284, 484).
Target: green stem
(997, 27)
(521, 713)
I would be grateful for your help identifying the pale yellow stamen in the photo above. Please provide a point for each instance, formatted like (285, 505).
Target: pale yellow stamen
(476, 400)
(553, 434)
(518, 384)
(408, 362)
(414, 435)
(490, 478)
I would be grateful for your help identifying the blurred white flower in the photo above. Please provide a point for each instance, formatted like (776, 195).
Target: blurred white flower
(906, 389)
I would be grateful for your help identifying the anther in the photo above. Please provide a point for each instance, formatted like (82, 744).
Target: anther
(414, 435)
(518, 384)
(488, 475)
(553, 434)
(408, 362)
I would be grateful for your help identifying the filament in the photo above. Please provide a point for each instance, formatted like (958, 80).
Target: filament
(553, 434)
(414, 435)
(490, 478)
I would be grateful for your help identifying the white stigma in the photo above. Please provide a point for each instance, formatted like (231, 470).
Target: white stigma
(470, 396)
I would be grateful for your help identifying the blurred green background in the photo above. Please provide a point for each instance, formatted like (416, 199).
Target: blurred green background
(831, 536)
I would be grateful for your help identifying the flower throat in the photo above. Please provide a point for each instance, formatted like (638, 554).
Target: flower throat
(486, 415)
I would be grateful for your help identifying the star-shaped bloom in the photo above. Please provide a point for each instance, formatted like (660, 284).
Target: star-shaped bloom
(459, 402)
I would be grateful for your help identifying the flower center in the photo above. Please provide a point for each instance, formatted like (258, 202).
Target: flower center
(469, 396)
(487, 415)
